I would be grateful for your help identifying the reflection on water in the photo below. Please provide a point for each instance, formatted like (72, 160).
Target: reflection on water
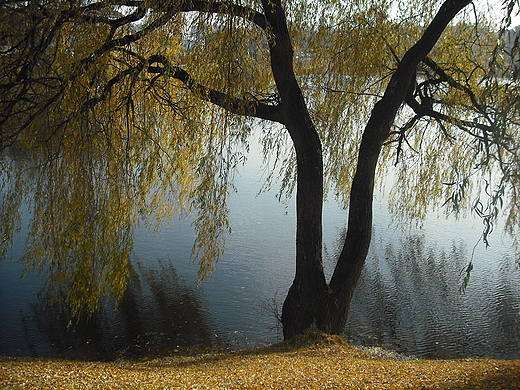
(409, 300)
(157, 316)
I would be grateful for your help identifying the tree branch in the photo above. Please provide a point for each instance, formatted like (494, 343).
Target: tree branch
(423, 110)
(238, 106)
(226, 8)
(455, 84)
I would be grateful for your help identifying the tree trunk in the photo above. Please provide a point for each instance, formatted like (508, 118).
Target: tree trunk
(310, 300)
(355, 249)
(303, 305)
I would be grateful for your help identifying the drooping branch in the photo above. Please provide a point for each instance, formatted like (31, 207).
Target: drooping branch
(238, 106)
(226, 8)
(37, 45)
(110, 84)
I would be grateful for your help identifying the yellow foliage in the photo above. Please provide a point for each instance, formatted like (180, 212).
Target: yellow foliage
(103, 133)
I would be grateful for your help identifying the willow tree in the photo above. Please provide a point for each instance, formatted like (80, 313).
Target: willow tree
(113, 112)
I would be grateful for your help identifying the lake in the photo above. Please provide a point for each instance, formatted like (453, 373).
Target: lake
(408, 298)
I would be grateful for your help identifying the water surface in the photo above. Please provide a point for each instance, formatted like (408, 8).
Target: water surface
(407, 300)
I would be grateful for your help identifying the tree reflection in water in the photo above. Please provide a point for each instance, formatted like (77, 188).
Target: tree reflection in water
(157, 316)
(408, 300)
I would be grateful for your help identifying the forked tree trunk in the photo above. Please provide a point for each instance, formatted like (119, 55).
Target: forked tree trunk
(310, 300)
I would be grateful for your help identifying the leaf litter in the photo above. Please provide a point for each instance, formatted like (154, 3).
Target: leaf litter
(314, 361)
